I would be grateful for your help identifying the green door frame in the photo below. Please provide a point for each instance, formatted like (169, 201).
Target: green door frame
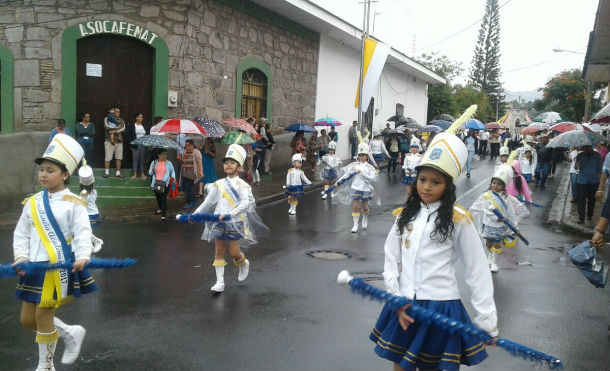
(6, 90)
(246, 64)
(68, 77)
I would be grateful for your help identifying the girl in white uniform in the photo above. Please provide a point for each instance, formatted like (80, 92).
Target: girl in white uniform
(330, 168)
(361, 190)
(89, 195)
(429, 235)
(378, 150)
(54, 228)
(295, 177)
(231, 198)
(527, 159)
(412, 160)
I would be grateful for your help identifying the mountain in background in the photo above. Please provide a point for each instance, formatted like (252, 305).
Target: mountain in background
(530, 95)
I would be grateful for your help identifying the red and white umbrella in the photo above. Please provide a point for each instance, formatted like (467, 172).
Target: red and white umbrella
(562, 127)
(177, 126)
(241, 125)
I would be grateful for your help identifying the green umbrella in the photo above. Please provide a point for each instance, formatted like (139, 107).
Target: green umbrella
(236, 137)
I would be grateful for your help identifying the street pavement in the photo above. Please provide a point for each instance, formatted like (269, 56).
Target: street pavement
(290, 314)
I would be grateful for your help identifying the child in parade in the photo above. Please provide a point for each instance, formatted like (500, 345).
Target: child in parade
(492, 227)
(431, 232)
(54, 228)
(89, 195)
(378, 150)
(330, 165)
(232, 199)
(295, 177)
(518, 185)
(527, 160)
(361, 190)
(412, 160)
(504, 153)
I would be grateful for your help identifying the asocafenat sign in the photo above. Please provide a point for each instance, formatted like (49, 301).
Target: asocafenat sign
(119, 28)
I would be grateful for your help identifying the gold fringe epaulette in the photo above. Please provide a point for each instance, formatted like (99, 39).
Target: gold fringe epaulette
(461, 215)
(397, 212)
(75, 199)
(25, 201)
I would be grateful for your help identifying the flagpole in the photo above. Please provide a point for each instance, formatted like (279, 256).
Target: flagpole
(365, 26)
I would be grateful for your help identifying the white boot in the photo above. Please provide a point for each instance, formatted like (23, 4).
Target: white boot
(356, 217)
(219, 286)
(97, 243)
(365, 220)
(294, 207)
(46, 351)
(488, 253)
(244, 268)
(73, 337)
(493, 265)
(324, 194)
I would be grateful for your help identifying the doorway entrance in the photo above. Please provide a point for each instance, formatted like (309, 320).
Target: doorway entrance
(113, 71)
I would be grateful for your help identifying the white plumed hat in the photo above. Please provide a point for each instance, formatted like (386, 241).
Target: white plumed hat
(63, 150)
(237, 153)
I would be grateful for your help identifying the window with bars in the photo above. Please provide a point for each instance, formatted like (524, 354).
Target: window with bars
(254, 94)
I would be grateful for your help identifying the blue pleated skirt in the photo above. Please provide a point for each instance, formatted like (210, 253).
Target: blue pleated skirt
(423, 345)
(95, 219)
(29, 288)
(228, 230)
(360, 195)
(408, 180)
(329, 174)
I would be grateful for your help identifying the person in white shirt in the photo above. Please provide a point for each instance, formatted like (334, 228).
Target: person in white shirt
(89, 194)
(330, 165)
(294, 180)
(412, 160)
(483, 138)
(232, 199)
(378, 150)
(429, 235)
(527, 159)
(574, 172)
(54, 228)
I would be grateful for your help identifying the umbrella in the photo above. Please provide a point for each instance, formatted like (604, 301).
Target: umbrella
(549, 117)
(406, 120)
(396, 118)
(535, 127)
(576, 138)
(474, 124)
(603, 115)
(236, 137)
(241, 125)
(430, 129)
(493, 125)
(410, 127)
(177, 126)
(562, 127)
(583, 256)
(443, 124)
(213, 128)
(593, 127)
(390, 132)
(156, 141)
(299, 126)
(327, 121)
(444, 117)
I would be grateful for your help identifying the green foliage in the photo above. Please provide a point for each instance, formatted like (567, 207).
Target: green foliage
(440, 96)
(565, 93)
(465, 96)
(441, 65)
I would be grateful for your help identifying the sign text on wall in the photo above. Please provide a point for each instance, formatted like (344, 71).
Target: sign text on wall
(117, 27)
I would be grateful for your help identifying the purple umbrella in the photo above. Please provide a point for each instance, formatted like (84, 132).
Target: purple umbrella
(327, 121)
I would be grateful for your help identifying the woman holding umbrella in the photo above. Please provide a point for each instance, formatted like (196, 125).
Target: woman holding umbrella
(494, 143)
(299, 143)
(161, 171)
(208, 154)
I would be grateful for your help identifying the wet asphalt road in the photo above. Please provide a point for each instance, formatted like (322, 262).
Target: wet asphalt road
(290, 314)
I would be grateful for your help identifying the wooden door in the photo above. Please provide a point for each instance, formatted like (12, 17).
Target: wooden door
(126, 82)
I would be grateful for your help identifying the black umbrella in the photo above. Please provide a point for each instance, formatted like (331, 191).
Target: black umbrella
(441, 123)
(406, 120)
(395, 118)
(444, 117)
(389, 133)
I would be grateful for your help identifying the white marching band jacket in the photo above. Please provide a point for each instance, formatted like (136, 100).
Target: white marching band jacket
(296, 177)
(361, 181)
(410, 162)
(223, 206)
(378, 147)
(331, 161)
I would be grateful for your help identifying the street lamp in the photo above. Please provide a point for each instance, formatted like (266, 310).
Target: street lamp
(559, 50)
(497, 95)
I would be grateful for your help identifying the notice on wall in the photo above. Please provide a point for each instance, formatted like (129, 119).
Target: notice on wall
(94, 70)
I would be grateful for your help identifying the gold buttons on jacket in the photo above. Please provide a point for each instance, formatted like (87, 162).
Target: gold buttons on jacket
(407, 243)
(410, 227)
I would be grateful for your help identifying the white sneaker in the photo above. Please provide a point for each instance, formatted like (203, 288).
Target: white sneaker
(364, 221)
(324, 195)
(355, 228)
(73, 339)
(493, 268)
(294, 211)
(323, 192)
(219, 286)
(244, 269)
(493, 263)
(97, 244)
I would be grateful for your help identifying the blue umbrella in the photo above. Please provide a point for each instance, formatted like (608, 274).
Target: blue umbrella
(429, 129)
(443, 124)
(299, 126)
(474, 124)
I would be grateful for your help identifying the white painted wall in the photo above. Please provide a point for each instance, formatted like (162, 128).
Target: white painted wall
(338, 72)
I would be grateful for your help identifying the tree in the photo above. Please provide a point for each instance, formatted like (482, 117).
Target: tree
(465, 96)
(565, 93)
(485, 69)
(440, 96)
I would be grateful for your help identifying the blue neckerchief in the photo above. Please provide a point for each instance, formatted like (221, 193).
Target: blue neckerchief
(64, 244)
(231, 189)
(501, 200)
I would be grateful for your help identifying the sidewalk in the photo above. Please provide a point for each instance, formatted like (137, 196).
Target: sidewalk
(127, 200)
(565, 213)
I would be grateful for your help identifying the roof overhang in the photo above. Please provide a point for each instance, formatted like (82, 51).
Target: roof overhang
(318, 19)
(597, 59)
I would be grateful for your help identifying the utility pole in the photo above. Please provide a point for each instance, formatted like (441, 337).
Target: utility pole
(365, 35)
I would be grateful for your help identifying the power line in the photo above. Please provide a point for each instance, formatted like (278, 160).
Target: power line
(539, 63)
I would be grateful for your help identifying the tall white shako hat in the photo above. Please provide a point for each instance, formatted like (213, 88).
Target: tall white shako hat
(63, 150)
(332, 145)
(363, 149)
(297, 157)
(415, 143)
(529, 139)
(504, 173)
(85, 174)
(446, 152)
(237, 153)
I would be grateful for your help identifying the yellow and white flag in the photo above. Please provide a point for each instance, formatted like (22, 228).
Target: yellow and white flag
(375, 55)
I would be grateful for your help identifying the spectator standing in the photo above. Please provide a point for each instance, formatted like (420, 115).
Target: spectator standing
(161, 171)
(208, 154)
(353, 139)
(323, 141)
(494, 144)
(192, 171)
(602, 149)
(394, 150)
(59, 128)
(113, 148)
(471, 147)
(138, 152)
(312, 150)
(298, 143)
(483, 139)
(545, 158)
(333, 135)
(269, 151)
(262, 131)
(574, 173)
(589, 165)
(85, 135)
(403, 145)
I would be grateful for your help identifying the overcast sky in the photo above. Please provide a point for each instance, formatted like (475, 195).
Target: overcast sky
(529, 31)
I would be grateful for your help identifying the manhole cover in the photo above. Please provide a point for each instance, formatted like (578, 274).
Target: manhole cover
(329, 255)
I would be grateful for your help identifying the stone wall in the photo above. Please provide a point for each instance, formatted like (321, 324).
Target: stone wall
(206, 41)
